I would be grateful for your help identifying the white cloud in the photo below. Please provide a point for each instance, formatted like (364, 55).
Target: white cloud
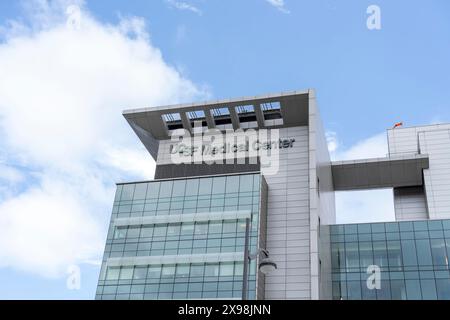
(279, 4)
(181, 5)
(365, 205)
(332, 141)
(372, 147)
(62, 89)
(46, 228)
(10, 174)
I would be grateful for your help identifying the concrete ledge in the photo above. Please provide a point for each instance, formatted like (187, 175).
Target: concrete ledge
(389, 172)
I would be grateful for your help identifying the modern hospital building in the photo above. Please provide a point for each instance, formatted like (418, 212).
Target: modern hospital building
(242, 206)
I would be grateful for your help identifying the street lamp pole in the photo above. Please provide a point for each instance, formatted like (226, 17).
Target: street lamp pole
(265, 266)
(246, 259)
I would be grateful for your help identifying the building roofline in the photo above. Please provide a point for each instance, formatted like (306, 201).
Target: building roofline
(217, 102)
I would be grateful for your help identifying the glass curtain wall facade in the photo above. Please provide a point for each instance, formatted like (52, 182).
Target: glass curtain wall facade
(181, 239)
(412, 257)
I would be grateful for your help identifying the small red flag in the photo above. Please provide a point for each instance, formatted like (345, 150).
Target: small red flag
(398, 124)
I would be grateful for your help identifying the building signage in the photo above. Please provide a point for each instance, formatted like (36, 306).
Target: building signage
(210, 149)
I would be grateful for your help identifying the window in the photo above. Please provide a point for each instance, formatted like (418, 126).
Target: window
(126, 273)
(140, 191)
(120, 233)
(153, 190)
(353, 290)
(147, 231)
(352, 255)
(154, 271)
(394, 254)
(238, 268)
(413, 289)
(127, 192)
(246, 183)
(439, 253)
(380, 257)
(165, 190)
(409, 253)
(201, 228)
(229, 227)
(197, 270)
(246, 113)
(192, 187)
(172, 121)
(173, 229)
(197, 118)
(168, 271)
(241, 225)
(232, 184)
(178, 188)
(133, 232)
(112, 273)
(160, 230)
(187, 229)
(226, 269)
(205, 186)
(428, 289)
(424, 258)
(215, 227)
(218, 185)
(183, 271)
(140, 273)
(118, 193)
(272, 113)
(222, 118)
(366, 254)
(211, 270)
(443, 289)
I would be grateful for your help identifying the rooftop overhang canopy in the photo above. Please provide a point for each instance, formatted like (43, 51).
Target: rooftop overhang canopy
(267, 111)
(390, 172)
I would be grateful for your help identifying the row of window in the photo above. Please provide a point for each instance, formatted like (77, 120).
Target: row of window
(393, 275)
(183, 203)
(253, 208)
(207, 280)
(188, 187)
(172, 287)
(197, 198)
(219, 204)
(171, 231)
(412, 289)
(212, 242)
(174, 271)
(404, 235)
(236, 294)
(168, 250)
(419, 252)
(390, 227)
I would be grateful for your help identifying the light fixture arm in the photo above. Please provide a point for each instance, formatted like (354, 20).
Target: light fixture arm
(252, 256)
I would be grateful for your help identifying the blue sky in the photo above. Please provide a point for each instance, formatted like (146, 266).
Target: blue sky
(138, 53)
(365, 80)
